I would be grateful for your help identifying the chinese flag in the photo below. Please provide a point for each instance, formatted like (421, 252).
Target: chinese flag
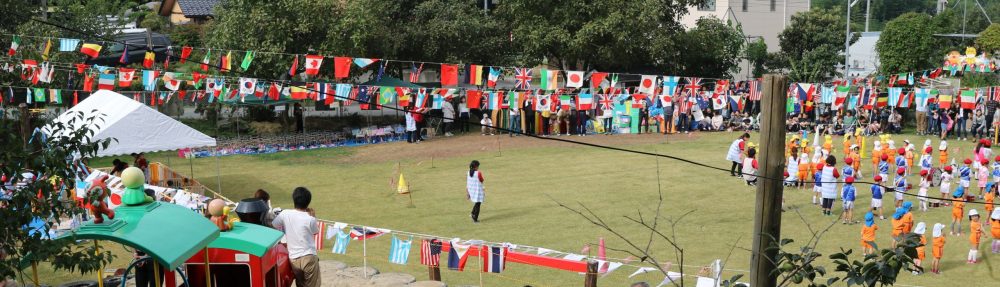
(449, 75)
(341, 67)
(473, 98)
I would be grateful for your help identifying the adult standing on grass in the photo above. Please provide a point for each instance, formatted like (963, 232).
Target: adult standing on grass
(475, 191)
(735, 153)
(299, 226)
(449, 117)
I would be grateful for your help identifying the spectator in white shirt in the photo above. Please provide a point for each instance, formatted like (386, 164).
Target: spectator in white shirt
(299, 226)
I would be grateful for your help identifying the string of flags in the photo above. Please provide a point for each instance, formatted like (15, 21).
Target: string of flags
(803, 97)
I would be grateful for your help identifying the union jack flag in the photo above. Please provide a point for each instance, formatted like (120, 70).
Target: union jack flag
(606, 102)
(754, 90)
(522, 78)
(693, 85)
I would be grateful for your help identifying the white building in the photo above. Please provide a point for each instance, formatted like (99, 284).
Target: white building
(863, 57)
(760, 18)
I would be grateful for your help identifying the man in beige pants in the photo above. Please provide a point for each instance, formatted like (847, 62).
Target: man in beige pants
(299, 226)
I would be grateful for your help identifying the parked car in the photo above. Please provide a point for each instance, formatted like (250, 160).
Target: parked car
(137, 43)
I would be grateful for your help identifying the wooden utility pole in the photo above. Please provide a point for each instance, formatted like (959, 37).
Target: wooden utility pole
(767, 214)
(590, 279)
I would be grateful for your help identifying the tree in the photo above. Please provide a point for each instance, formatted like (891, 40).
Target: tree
(989, 39)
(908, 44)
(50, 160)
(604, 35)
(711, 49)
(812, 45)
(758, 56)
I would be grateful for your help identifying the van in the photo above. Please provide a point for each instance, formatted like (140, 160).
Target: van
(137, 43)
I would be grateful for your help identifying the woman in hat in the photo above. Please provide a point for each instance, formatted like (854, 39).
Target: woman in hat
(975, 234)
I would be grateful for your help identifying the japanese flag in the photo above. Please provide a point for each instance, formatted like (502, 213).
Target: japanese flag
(247, 86)
(171, 82)
(312, 64)
(574, 79)
(647, 84)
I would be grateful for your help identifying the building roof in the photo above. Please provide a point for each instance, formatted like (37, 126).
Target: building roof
(248, 238)
(197, 8)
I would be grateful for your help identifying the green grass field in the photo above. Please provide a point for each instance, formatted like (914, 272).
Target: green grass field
(526, 178)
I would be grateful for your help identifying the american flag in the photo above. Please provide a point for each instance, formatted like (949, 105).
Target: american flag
(415, 75)
(754, 92)
(318, 237)
(993, 93)
(522, 77)
(693, 85)
(430, 252)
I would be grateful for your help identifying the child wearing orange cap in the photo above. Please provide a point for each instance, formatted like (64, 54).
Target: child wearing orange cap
(975, 234)
(868, 234)
(938, 248)
(945, 186)
(877, 192)
(925, 184)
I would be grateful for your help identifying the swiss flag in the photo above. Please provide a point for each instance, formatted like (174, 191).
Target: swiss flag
(646, 84)
(574, 79)
(313, 63)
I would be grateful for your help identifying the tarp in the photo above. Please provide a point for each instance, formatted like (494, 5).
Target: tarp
(136, 127)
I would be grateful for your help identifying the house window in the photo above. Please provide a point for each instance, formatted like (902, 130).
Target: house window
(773, 5)
(708, 5)
(745, 5)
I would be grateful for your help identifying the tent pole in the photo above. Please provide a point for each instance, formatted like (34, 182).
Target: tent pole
(218, 170)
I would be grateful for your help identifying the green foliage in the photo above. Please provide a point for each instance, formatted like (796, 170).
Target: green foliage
(812, 45)
(711, 49)
(151, 19)
(989, 39)
(908, 44)
(759, 57)
(800, 268)
(22, 152)
(189, 35)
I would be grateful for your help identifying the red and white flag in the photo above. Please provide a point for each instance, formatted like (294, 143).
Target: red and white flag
(574, 79)
(430, 252)
(125, 77)
(313, 62)
(647, 84)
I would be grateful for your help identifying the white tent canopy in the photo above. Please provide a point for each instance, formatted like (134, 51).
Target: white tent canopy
(136, 127)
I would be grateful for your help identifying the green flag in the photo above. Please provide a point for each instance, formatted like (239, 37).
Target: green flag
(246, 60)
(386, 95)
(39, 95)
(544, 77)
(790, 105)
(512, 99)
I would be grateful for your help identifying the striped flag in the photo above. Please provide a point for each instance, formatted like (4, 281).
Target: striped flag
(106, 80)
(319, 236)
(430, 252)
(895, 96)
(399, 251)
(993, 94)
(494, 258)
(415, 72)
(968, 98)
(755, 90)
(585, 102)
(475, 75)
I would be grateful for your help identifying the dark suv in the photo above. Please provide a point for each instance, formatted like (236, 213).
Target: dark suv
(137, 43)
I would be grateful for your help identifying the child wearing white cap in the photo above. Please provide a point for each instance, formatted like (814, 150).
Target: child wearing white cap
(938, 248)
(920, 230)
(975, 233)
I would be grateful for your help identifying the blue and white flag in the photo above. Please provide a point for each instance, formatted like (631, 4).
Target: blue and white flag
(457, 255)
(399, 252)
(494, 258)
(340, 242)
(826, 94)
(68, 45)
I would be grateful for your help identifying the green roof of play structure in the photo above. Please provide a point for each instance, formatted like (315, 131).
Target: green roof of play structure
(248, 238)
(169, 233)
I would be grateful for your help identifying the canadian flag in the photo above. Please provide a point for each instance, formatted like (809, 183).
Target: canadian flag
(647, 84)
(312, 64)
(125, 76)
(574, 79)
